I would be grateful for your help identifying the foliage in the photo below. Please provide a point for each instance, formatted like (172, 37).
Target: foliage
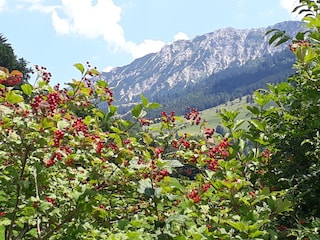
(64, 177)
(290, 129)
(70, 170)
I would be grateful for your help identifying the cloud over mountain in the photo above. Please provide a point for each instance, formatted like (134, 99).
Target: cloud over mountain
(289, 5)
(93, 19)
(2, 4)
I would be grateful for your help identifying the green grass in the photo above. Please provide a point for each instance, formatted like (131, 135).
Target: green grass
(211, 115)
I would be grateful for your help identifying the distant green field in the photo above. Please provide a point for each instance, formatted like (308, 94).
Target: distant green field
(211, 115)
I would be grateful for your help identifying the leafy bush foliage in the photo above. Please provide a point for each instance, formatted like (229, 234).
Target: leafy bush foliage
(62, 176)
(72, 171)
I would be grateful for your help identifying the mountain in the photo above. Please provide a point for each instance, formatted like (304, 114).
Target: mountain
(195, 65)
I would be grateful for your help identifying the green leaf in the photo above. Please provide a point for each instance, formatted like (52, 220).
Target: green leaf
(123, 223)
(261, 99)
(95, 72)
(62, 124)
(144, 184)
(134, 235)
(137, 110)
(270, 31)
(86, 91)
(241, 226)
(175, 183)
(283, 40)
(255, 234)
(116, 138)
(5, 221)
(113, 109)
(144, 100)
(172, 163)
(98, 113)
(44, 206)
(176, 218)
(149, 192)
(283, 205)
(146, 188)
(164, 236)
(46, 123)
(276, 36)
(260, 125)
(300, 36)
(80, 67)
(153, 106)
(14, 98)
(147, 139)
(102, 83)
(116, 130)
(254, 110)
(27, 89)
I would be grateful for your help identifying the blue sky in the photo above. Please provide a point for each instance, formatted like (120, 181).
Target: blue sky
(58, 33)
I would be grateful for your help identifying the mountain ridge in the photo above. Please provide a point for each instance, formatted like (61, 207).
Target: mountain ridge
(185, 63)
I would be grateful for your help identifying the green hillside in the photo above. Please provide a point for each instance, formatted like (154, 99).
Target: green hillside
(211, 115)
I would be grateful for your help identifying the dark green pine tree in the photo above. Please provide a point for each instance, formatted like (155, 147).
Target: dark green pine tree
(9, 60)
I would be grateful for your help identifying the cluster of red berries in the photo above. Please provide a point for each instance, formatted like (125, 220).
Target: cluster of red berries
(110, 95)
(212, 164)
(206, 186)
(58, 135)
(90, 72)
(220, 151)
(158, 151)
(53, 99)
(36, 102)
(208, 132)
(266, 154)
(145, 122)
(181, 142)
(302, 43)
(56, 156)
(157, 174)
(80, 126)
(194, 195)
(11, 80)
(99, 147)
(168, 118)
(42, 71)
(193, 115)
(50, 200)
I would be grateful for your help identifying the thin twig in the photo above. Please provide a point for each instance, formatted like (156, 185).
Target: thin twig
(38, 197)
(14, 214)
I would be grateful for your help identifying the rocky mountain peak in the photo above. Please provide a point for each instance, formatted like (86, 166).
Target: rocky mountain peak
(186, 62)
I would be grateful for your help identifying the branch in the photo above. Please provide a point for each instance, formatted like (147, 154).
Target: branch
(38, 197)
(14, 214)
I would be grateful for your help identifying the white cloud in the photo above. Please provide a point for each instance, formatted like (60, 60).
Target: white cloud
(93, 19)
(289, 5)
(180, 36)
(2, 4)
(147, 46)
(108, 69)
(60, 25)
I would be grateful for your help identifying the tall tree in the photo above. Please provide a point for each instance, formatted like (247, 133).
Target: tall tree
(9, 60)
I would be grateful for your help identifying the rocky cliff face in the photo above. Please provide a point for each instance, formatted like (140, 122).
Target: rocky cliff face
(187, 62)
